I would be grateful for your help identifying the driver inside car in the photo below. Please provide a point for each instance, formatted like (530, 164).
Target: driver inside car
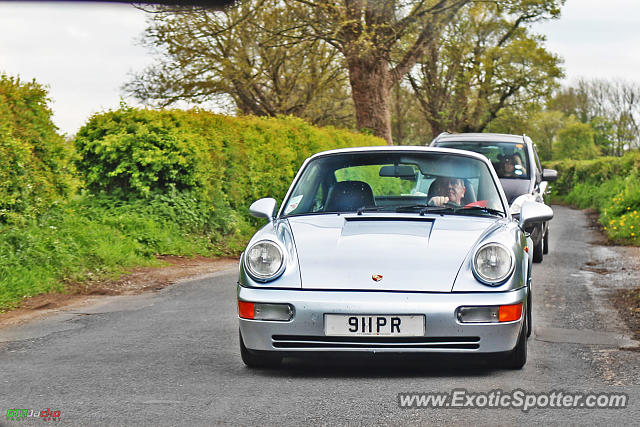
(448, 190)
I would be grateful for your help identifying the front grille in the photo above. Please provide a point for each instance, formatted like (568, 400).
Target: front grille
(303, 341)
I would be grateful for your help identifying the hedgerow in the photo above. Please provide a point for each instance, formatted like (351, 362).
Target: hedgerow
(610, 185)
(592, 172)
(35, 161)
(225, 161)
(154, 182)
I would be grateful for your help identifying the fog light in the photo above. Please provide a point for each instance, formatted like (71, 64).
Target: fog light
(477, 314)
(264, 311)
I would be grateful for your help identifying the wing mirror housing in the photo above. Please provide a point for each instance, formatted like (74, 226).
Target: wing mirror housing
(549, 175)
(516, 205)
(534, 212)
(263, 208)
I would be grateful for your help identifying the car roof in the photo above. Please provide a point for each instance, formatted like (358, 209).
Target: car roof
(480, 137)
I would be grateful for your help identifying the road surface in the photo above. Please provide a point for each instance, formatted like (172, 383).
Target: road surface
(172, 358)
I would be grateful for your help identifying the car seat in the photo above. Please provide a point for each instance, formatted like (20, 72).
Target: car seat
(349, 196)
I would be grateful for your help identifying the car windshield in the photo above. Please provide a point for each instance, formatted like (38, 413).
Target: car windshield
(509, 159)
(395, 182)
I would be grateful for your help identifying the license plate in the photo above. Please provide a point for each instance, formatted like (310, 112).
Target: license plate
(345, 325)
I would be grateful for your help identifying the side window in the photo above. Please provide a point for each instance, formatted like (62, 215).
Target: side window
(318, 201)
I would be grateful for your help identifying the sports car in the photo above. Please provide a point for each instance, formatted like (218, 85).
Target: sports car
(389, 249)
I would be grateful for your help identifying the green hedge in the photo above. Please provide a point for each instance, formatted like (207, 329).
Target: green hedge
(592, 172)
(35, 161)
(228, 161)
(610, 185)
(155, 182)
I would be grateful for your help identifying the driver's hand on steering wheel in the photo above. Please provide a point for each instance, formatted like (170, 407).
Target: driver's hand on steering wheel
(438, 201)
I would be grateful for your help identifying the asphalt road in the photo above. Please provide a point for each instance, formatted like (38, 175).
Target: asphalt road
(172, 358)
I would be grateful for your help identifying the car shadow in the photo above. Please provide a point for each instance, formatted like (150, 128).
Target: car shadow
(383, 365)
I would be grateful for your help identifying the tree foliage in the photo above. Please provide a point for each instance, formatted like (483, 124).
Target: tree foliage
(240, 53)
(544, 126)
(576, 141)
(258, 49)
(485, 60)
(35, 161)
(612, 107)
(381, 41)
(273, 57)
(408, 126)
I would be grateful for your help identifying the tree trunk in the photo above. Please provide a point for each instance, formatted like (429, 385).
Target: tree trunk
(371, 83)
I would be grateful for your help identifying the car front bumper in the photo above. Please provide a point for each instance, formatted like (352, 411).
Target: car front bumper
(443, 332)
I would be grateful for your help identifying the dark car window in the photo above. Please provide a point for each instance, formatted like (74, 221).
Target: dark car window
(510, 159)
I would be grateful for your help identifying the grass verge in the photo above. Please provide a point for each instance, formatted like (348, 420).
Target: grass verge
(92, 237)
(617, 200)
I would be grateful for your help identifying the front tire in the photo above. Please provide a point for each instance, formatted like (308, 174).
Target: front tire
(529, 310)
(545, 249)
(518, 357)
(255, 359)
(538, 251)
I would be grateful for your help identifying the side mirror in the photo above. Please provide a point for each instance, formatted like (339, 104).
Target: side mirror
(516, 205)
(263, 208)
(533, 212)
(549, 175)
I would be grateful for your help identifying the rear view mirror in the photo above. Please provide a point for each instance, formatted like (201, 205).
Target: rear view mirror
(399, 171)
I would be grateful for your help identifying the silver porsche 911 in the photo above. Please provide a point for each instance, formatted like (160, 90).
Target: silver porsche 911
(389, 249)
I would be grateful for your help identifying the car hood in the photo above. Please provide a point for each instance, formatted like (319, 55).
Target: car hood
(407, 253)
(514, 187)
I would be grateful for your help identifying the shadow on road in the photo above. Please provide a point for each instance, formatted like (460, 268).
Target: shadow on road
(382, 365)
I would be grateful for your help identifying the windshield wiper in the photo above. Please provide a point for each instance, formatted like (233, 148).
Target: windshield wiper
(422, 208)
(479, 209)
(369, 209)
(411, 208)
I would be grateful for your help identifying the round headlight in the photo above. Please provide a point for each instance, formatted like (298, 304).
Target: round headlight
(264, 260)
(493, 263)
